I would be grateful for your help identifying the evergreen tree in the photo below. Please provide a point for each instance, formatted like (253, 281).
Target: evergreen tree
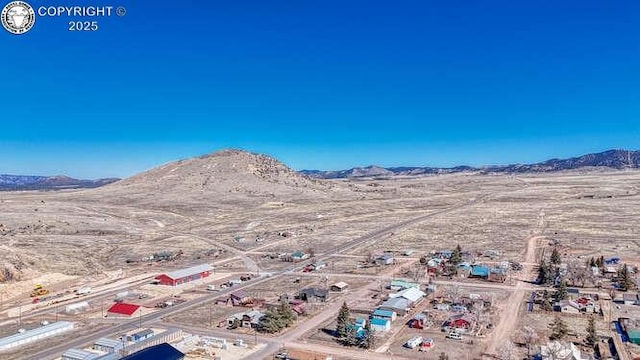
(271, 322)
(351, 337)
(369, 340)
(443, 356)
(544, 272)
(592, 262)
(561, 292)
(600, 262)
(592, 337)
(624, 279)
(286, 314)
(555, 257)
(558, 329)
(342, 322)
(456, 255)
(546, 301)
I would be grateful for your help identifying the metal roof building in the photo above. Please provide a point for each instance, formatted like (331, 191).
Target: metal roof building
(36, 334)
(78, 354)
(183, 276)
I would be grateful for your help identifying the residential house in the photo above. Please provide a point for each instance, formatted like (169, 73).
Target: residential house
(480, 271)
(360, 322)
(418, 321)
(557, 350)
(462, 323)
(298, 255)
(567, 306)
(382, 325)
(384, 314)
(402, 284)
(313, 295)
(252, 319)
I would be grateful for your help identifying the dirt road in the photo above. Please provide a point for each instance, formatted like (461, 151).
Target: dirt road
(507, 324)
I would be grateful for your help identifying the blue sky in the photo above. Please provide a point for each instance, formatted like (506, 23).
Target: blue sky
(321, 84)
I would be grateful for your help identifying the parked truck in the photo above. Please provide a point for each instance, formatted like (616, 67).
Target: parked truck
(83, 290)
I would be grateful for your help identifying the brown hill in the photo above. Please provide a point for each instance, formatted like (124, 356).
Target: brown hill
(231, 177)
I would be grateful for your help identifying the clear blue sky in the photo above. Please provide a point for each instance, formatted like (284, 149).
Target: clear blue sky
(322, 84)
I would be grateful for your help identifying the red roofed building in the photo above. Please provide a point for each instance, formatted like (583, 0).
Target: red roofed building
(184, 276)
(123, 310)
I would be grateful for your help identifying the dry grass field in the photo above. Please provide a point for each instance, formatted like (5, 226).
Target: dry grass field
(252, 208)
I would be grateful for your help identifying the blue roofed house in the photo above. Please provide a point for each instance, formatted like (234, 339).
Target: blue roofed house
(384, 314)
(480, 271)
(380, 325)
(361, 322)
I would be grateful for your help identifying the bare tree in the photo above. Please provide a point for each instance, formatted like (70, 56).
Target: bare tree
(453, 293)
(530, 337)
(507, 351)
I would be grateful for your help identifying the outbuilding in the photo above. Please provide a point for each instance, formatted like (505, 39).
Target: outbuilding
(184, 276)
(108, 345)
(78, 354)
(123, 310)
(340, 286)
(36, 334)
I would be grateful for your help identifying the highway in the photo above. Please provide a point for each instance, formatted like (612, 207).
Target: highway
(87, 339)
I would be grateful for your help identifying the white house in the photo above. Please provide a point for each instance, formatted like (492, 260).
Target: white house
(412, 294)
(557, 350)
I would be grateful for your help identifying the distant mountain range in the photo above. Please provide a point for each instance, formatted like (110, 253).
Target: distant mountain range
(264, 166)
(614, 159)
(28, 182)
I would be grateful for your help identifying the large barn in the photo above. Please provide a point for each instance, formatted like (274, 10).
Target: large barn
(184, 276)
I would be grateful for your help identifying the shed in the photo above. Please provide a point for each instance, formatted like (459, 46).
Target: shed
(339, 286)
(184, 276)
(157, 352)
(385, 259)
(76, 307)
(634, 336)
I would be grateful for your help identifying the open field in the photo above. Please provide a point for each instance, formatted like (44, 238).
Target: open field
(240, 212)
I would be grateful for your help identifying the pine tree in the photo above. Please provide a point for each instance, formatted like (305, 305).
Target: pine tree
(592, 262)
(555, 257)
(544, 272)
(443, 356)
(271, 322)
(561, 292)
(624, 279)
(368, 341)
(600, 262)
(351, 337)
(592, 337)
(286, 314)
(546, 301)
(558, 329)
(343, 322)
(456, 255)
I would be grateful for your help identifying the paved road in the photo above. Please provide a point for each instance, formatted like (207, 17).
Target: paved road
(80, 341)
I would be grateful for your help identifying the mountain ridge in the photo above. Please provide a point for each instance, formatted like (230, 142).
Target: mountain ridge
(615, 159)
(56, 182)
